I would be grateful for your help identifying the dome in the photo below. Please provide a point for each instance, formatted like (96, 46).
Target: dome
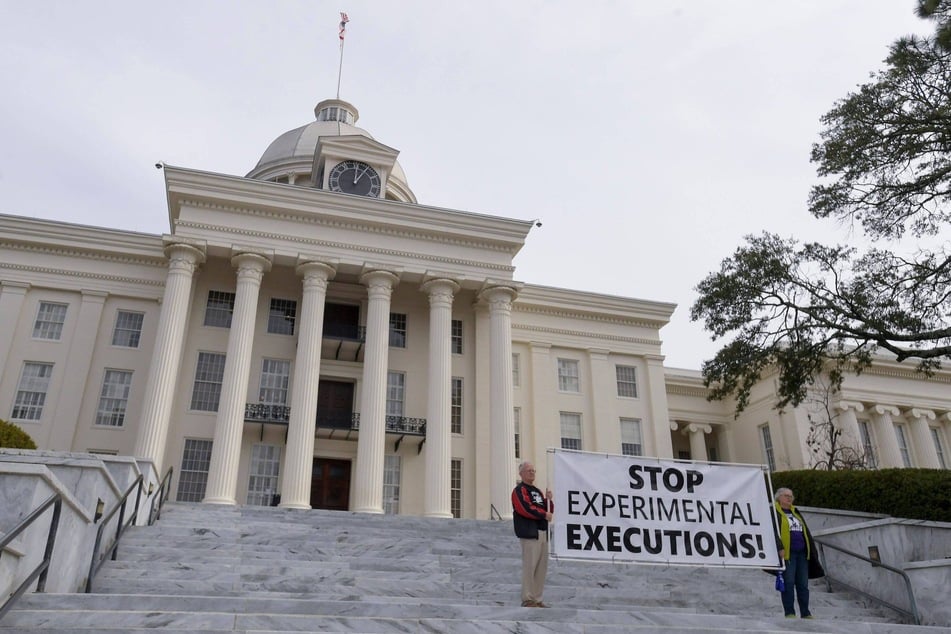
(293, 151)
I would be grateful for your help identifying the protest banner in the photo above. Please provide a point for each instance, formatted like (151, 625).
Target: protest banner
(648, 510)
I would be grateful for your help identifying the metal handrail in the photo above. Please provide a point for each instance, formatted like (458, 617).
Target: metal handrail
(913, 613)
(40, 572)
(121, 527)
(165, 489)
(494, 512)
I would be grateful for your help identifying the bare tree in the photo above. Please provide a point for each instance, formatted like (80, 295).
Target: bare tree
(829, 448)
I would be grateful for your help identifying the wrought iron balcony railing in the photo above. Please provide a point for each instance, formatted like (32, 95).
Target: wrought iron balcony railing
(281, 414)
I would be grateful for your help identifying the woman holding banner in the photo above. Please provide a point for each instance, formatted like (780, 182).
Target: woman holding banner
(796, 550)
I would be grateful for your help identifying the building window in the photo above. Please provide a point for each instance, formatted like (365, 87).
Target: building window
(570, 430)
(455, 410)
(128, 329)
(516, 370)
(397, 330)
(568, 375)
(49, 321)
(196, 458)
(391, 485)
(114, 398)
(456, 336)
(767, 442)
(282, 316)
(208, 376)
(631, 442)
(903, 445)
(219, 309)
(938, 447)
(626, 381)
(870, 461)
(275, 376)
(265, 470)
(455, 487)
(517, 418)
(395, 393)
(31, 391)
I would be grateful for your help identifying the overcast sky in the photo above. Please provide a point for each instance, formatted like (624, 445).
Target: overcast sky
(648, 137)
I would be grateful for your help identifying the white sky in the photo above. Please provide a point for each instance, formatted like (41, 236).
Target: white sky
(648, 137)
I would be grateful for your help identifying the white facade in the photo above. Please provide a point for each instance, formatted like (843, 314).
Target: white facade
(362, 351)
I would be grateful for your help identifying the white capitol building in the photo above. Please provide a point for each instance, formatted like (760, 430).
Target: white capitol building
(311, 335)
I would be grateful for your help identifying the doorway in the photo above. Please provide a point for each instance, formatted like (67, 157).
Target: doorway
(330, 484)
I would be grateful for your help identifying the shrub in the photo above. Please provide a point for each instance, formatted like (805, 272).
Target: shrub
(906, 493)
(13, 437)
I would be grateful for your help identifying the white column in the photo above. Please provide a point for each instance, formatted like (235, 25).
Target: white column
(502, 478)
(226, 450)
(698, 446)
(885, 434)
(299, 459)
(166, 356)
(368, 481)
(12, 295)
(605, 425)
(924, 444)
(656, 391)
(78, 364)
(438, 432)
(849, 426)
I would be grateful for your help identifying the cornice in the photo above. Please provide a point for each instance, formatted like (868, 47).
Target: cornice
(687, 390)
(351, 225)
(83, 275)
(585, 334)
(346, 246)
(582, 314)
(906, 373)
(86, 254)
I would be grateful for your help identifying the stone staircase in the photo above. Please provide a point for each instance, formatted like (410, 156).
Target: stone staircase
(213, 569)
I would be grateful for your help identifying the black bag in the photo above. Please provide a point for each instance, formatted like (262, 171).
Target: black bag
(815, 567)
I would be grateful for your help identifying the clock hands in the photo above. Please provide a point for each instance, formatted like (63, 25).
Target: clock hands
(357, 174)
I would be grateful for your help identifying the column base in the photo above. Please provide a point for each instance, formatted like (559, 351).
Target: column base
(294, 505)
(227, 501)
(370, 511)
(446, 516)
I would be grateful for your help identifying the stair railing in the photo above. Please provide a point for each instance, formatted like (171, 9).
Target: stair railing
(912, 613)
(96, 562)
(165, 489)
(40, 572)
(494, 512)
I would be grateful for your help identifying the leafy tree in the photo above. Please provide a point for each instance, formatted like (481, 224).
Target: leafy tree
(884, 162)
(13, 437)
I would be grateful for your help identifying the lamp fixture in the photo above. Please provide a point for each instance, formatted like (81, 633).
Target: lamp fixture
(100, 507)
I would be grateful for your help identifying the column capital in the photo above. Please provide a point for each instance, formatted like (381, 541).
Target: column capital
(881, 410)
(377, 277)
(440, 286)
(257, 259)
(674, 425)
(916, 413)
(11, 285)
(308, 268)
(847, 405)
(694, 428)
(179, 245)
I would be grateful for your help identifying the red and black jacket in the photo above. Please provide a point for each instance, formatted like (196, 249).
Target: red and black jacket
(529, 508)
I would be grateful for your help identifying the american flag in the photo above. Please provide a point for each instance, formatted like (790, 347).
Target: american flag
(343, 24)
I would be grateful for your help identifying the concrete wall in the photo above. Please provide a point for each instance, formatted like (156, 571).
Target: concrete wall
(920, 548)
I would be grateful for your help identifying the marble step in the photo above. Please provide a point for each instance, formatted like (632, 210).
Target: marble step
(67, 613)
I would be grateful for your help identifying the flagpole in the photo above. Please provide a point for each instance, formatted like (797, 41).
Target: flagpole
(342, 32)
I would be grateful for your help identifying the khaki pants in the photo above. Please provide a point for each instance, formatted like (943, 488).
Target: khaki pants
(534, 566)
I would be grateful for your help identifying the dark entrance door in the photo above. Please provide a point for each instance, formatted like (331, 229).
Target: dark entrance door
(334, 404)
(330, 484)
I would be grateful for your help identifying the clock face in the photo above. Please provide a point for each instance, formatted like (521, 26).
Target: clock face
(355, 177)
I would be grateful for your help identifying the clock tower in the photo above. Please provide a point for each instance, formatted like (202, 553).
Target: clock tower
(333, 154)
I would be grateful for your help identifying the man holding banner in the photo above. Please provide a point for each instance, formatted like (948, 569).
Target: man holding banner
(531, 512)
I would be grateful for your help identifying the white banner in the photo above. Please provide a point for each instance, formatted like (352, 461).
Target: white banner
(647, 510)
